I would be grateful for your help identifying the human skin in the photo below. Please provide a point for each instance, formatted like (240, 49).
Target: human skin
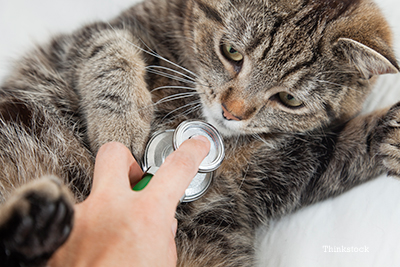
(116, 226)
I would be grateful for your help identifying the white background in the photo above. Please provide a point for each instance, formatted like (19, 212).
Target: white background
(366, 217)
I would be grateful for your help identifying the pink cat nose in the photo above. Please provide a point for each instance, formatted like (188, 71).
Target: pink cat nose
(227, 115)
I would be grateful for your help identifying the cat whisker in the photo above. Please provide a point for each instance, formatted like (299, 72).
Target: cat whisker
(170, 76)
(240, 14)
(237, 141)
(268, 144)
(153, 53)
(175, 97)
(191, 80)
(171, 98)
(192, 109)
(173, 87)
(196, 103)
(169, 69)
(257, 136)
(244, 178)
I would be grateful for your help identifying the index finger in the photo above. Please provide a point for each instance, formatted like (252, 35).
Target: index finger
(178, 170)
(115, 168)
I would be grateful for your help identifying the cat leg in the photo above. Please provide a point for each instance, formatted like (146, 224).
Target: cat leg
(34, 222)
(36, 213)
(386, 141)
(36, 143)
(366, 147)
(212, 232)
(116, 103)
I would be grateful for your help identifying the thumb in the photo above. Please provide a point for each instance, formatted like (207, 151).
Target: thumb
(178, 170)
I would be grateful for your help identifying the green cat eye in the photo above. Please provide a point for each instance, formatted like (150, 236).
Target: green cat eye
(289, 100)
(231, 53)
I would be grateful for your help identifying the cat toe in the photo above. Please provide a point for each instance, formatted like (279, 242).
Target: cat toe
(35, 222)
(389, 143)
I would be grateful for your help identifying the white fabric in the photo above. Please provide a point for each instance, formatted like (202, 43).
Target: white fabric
(365, 219)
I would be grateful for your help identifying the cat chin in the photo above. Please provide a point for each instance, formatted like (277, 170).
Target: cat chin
(225, 127)
(224, 131)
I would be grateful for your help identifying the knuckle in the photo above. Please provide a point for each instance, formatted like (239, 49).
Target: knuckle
(113, 148)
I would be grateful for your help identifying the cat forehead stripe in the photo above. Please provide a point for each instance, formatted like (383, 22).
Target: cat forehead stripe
(210, 12)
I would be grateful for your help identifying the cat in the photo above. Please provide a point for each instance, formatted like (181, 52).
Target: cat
(283, 82)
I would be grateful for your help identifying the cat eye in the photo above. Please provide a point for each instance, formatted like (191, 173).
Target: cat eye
(231, 53)
(289, 100)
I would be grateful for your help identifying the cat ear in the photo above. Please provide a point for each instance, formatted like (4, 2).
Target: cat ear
(367, 60)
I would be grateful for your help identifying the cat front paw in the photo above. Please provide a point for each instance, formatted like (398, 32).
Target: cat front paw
(35, 221)
(389, 143)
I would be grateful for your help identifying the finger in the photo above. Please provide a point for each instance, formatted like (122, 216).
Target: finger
(115, 168)
(174, 227)
(178, 170)
(135, 174)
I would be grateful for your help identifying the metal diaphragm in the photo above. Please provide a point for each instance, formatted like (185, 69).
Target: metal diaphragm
(163, 143)
(189, 129)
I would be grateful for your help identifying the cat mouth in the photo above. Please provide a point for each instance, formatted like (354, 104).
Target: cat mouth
(227, 115)
(221, 126)
(225, 123)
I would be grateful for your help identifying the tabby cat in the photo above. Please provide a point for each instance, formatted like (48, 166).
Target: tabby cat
(282, 80)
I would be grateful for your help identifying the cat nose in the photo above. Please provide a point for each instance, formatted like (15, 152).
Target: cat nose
(238, 109)
(227, 115)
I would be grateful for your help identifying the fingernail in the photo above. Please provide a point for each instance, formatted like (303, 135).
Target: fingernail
(204, 140)
(174, 227)
(200, 138)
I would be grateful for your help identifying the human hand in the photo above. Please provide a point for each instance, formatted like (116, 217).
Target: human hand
(116, 226)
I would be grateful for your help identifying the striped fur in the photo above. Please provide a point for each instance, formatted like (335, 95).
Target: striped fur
(162, 62)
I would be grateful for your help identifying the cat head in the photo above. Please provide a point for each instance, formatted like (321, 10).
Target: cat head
(285, 65)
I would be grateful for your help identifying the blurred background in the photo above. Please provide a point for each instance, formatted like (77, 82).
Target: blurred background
(366, 217)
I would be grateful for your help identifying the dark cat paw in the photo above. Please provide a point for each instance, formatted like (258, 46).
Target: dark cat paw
(35, 221)
(388, 135)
